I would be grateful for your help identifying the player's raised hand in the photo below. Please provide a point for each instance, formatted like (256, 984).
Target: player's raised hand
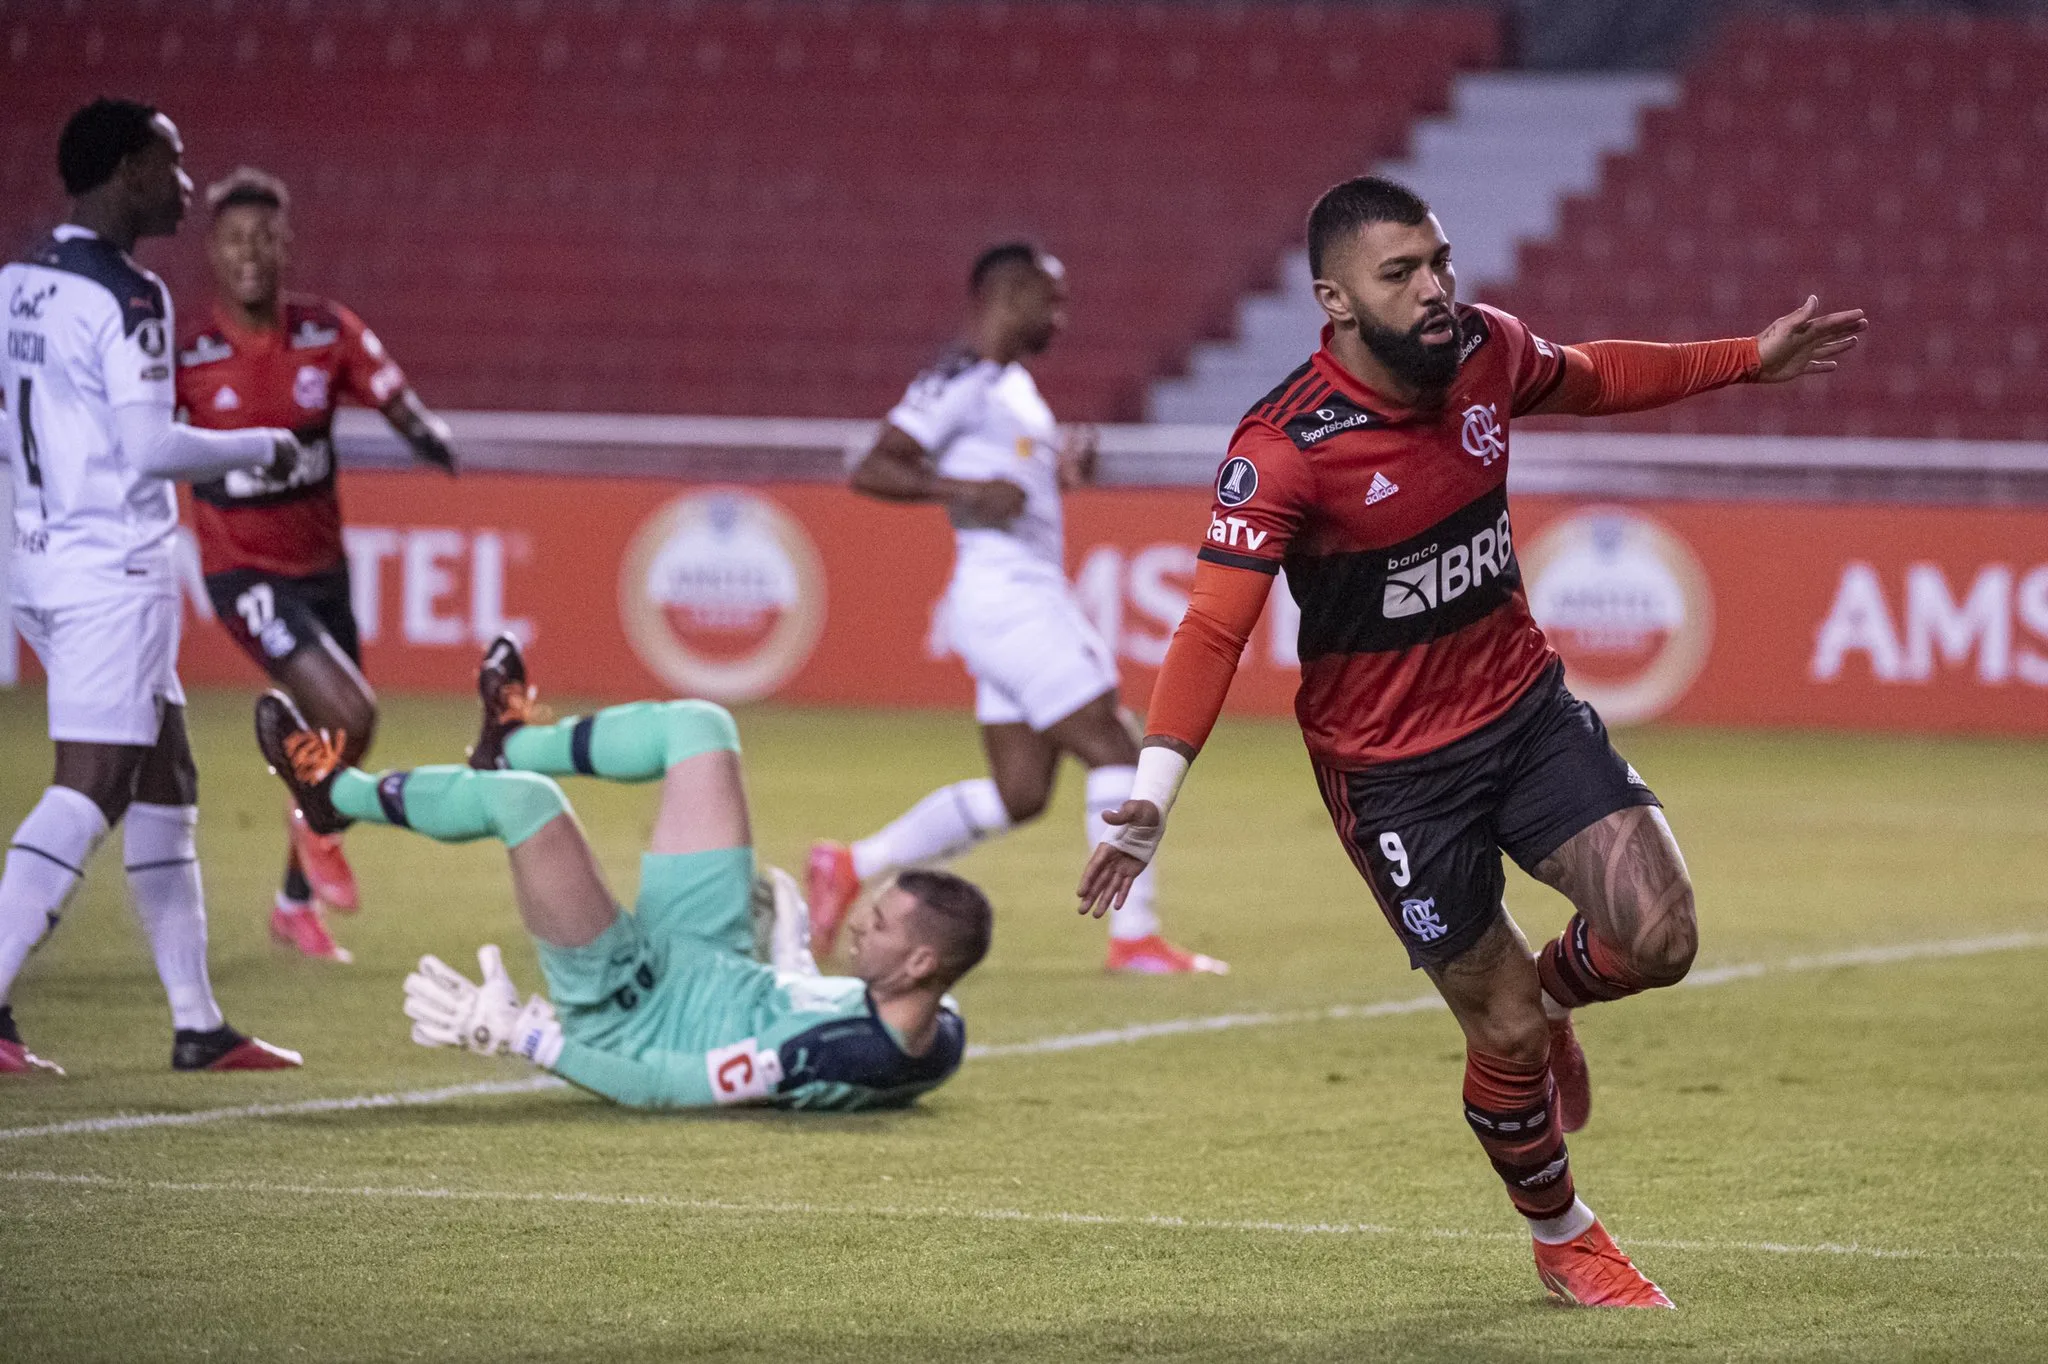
(1136, 828)
(431, 445)
(1080, 450)
(1806, 341)
(448, 1009)
(439, 1000)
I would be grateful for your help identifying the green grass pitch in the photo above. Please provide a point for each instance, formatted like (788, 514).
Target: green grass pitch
(1837, 1162)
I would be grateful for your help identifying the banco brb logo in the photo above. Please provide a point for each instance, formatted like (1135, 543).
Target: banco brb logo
(722, 595)
(1626, 602)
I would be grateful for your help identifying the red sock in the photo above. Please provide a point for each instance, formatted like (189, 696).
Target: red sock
(1578, 969)
(1509, 1105)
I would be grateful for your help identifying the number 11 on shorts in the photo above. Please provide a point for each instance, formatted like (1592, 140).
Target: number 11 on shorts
(1396, 854)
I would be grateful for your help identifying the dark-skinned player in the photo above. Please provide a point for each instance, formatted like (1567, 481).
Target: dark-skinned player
(272, 549)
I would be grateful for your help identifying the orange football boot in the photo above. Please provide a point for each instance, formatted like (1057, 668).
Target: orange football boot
(1155, 956)
(831, 887)
(300, 925)
(320, 858)
(1590, 1271)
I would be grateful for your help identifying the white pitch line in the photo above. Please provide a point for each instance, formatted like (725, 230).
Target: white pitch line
(1714, 975)
(1175, 1027)
(1140, 1221)
(1043, 1046)
(122, 1122)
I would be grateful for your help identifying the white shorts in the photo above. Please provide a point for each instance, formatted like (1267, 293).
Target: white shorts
(113, 665)
(1034, 655)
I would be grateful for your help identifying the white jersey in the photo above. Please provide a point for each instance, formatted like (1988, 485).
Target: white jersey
(980, 420)
(88, 331)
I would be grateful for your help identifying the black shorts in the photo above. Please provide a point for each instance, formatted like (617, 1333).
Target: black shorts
(1427, 832)
(273, 617)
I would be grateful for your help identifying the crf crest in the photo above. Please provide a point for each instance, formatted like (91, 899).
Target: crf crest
(1482, 437)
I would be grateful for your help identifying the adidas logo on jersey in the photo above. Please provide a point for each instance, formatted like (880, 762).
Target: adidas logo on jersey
(1382, 488)
(227, 400)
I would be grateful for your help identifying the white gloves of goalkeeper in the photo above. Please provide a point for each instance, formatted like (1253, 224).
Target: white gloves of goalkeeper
(448, 1009)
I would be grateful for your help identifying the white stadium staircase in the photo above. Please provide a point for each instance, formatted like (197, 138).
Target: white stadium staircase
(1495, 170)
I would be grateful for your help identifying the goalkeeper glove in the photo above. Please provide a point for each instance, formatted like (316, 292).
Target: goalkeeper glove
(447, 1009)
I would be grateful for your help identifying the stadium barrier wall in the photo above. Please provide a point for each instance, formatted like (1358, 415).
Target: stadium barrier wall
(1667, 603)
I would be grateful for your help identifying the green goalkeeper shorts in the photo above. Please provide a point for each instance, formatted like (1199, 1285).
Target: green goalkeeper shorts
(677, 973)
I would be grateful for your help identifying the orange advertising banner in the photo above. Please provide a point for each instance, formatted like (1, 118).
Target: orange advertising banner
(1741, 613)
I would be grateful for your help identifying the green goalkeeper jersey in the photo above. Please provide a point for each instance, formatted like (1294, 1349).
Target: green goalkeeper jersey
(669, 1009)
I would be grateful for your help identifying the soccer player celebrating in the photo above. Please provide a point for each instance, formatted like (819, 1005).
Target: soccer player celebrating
(87, 373)
(974, 436)
(1434, 710)
(271, 548)
(666, 1006)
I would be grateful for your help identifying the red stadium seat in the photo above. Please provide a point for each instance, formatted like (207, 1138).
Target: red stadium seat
(748, 207)
(1910, 183)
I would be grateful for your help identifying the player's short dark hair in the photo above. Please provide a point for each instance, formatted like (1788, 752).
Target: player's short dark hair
(954, 916)
(247, 185)
(999, 260)
(1345, 208)
(98, 138)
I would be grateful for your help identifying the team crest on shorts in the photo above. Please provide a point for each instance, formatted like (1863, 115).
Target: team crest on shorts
(1421, 919)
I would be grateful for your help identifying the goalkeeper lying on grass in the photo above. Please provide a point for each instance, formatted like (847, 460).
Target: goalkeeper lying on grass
(666, 1006)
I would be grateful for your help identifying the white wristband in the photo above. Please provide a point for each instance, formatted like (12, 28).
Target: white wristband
(536, 1035)
(1160, 774)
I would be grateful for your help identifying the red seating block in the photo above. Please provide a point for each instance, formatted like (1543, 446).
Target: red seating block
(1907, 183)
(747, 205)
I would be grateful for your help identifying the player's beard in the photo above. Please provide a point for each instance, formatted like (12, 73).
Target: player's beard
(1408, 358)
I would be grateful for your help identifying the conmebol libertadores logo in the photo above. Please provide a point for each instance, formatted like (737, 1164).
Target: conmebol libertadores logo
(722, 595)
(1627, 604)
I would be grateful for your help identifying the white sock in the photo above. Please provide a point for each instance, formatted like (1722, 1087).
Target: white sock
(1553, 1010)
(44, 863)
(943, 825)
(1568, 1225)
(163, 883)
(1109, 787)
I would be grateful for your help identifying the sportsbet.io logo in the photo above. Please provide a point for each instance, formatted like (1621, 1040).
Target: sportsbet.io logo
(722, 595)
(1627, 604)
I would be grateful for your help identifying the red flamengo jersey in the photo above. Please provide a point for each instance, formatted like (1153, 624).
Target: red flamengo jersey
(1392, 526)
(229, 378)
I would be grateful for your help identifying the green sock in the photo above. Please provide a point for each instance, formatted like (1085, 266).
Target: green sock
(637, 742)
(452, 804)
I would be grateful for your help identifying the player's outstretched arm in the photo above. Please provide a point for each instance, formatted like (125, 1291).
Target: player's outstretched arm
(1223, 609)
(898, 469)
(426, 433)
(1604, 378)
(154, 444)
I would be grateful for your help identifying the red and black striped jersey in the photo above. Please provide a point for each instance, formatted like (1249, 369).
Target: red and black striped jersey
(1392, 528)
(230, 378)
